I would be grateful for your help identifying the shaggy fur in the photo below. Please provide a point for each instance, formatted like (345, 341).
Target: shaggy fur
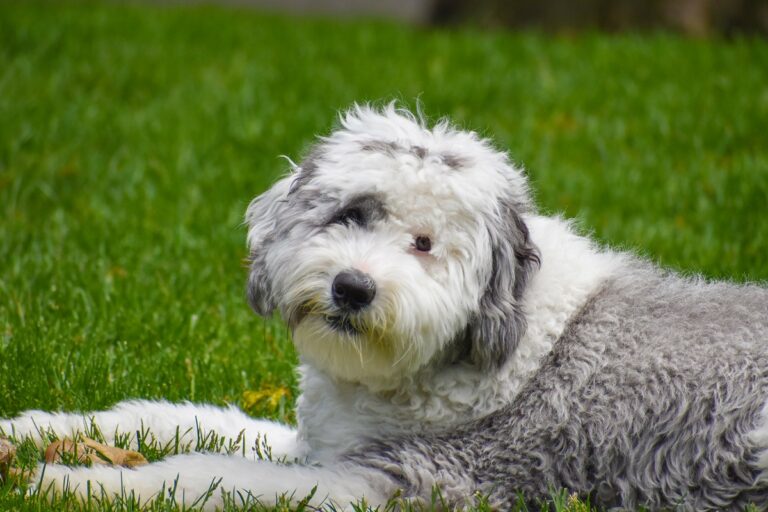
(509, 355)
(639, 403)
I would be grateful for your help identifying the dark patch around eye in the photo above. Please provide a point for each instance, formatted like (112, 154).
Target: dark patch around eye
(349, 216)
(361, 211)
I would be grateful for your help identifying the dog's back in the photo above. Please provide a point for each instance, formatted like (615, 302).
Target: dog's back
(654, 395)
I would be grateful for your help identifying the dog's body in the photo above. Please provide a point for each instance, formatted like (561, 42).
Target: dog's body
(639, 403)
(452, 337)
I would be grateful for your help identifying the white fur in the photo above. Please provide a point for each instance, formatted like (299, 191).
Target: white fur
(422, 300)
(335, 416)
(185, 423)
(382, 383)
(188, 478)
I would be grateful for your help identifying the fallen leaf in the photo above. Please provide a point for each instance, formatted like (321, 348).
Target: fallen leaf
(90, 451)
(7, 454)
(269, 396)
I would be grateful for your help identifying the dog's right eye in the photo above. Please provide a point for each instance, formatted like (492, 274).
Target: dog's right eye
(350, 216)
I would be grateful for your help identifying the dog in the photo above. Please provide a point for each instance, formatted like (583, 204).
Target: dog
(452, 338)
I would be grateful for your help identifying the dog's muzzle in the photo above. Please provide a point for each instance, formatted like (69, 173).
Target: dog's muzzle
(353, 290)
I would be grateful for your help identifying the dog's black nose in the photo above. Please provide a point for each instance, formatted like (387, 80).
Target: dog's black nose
(353, 290)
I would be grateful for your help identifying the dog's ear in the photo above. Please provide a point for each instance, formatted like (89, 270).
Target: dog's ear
(499, 324)
(263, 219)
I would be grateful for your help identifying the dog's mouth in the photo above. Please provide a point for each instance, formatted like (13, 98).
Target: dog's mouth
(341, 324)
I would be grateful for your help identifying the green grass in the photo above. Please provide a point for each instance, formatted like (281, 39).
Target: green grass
(133, 137)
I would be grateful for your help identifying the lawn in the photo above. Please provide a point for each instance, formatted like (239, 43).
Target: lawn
(133, 137)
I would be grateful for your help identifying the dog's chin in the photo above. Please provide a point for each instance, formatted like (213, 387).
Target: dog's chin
(344, 348)
(342, 324)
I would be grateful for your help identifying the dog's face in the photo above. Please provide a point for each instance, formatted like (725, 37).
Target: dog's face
(393, 246)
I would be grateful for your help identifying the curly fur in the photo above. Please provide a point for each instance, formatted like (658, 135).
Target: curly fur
(514, 355)
(640, 402)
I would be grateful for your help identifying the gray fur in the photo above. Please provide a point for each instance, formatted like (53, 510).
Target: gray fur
(369, 207)
(389, 148)
(453, 160)
(381, 146)
(646, 399)
(268, 208)
(308, 168)
(496, 329)
(288, 210)
(291, 209)
(419, 151)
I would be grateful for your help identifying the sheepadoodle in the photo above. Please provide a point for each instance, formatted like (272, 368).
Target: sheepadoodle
(451, 337)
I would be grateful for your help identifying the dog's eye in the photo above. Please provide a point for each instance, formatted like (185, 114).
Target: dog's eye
(350, 216)
(422, 243)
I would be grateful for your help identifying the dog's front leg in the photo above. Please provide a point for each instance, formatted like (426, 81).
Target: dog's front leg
(184, 424)
(208, 478)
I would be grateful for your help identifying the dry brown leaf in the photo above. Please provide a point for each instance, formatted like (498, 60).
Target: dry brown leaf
(88, 450)
(67, 451)
(117, 456)
(16, 476)
(7, 454)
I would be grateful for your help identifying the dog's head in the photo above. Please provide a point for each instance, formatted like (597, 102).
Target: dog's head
(392, 245)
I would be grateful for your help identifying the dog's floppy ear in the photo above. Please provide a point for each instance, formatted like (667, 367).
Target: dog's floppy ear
(496, 328)
(263, 218)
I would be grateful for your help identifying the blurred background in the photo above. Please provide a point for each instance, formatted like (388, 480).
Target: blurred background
(693, 17)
